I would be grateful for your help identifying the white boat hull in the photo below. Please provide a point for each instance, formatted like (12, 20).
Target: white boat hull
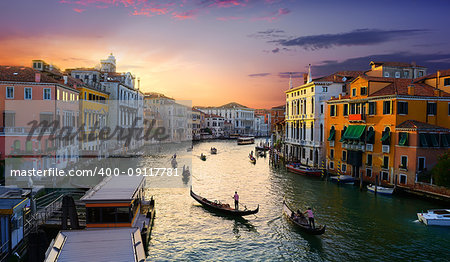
(432, 219)
(381, 190)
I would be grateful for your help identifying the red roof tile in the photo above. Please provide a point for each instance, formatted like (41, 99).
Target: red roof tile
(413, 124)
(338, 76)
(400, 87)
(443, 73)
(23, 74)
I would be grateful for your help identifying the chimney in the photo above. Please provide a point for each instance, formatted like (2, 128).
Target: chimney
(65, 79)
(37, 77)
(411, 90)
(340, 96)
(438, 75)
(305, 78)
(437, 92)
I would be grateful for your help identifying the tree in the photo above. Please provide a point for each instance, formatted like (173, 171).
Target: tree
(441, 171)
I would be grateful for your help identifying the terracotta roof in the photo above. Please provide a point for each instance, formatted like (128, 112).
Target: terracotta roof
(23, 74)
(394, 64)
(443, 73)
(156, 95)
(413, 124)
(400, 87)
(213, 115)
(342, 97)
(338, 76)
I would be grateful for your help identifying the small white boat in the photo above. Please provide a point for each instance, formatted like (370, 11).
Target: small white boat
(381, 190)
(435, 217)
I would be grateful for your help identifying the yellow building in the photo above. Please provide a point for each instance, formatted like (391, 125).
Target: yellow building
(94, 109)
(380, 117)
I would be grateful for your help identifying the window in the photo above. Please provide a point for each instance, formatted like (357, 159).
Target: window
(345, 110)
(385, 162)
(47, 93)
(403, 179)
(369, 172)
(344, 168)
(447, 82)
(397, 74)
(354, 92)
(386, 74)
(331, 153)
(431, 108)
(10, 92)
(324, 89)
(333, 110)
(363, 90)
(449, 109)
(344, 155)
(9, 119)
(372, 108)
(421, 164)
(420, 73)
(331, 165)
(321, 109)
(369, 160)
(402, 108)
(386, 107)
(403, 139)
(384, 175)
(406, 74)
(404, 162)
(27, 93)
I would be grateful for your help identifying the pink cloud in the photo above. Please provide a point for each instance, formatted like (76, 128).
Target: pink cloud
(78, 10)
(227, 3)
(191, 14)
(273, 15)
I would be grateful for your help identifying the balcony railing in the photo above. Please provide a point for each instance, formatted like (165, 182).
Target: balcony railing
(369, 147)
(385, 149)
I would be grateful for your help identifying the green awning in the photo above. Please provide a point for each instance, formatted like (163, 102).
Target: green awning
(434, 139)
(385, 136)
(354, 132)
(423, 140)
(370, 136)
(444, 140)
(332, 134)
(403, 139)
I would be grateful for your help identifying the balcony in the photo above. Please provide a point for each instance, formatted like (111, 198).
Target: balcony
(385, 149)
(369, 147)
(331, 143)
(403, 168)
(356, 118)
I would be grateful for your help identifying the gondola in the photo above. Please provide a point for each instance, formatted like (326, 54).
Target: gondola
(303, 222)
(252, 159)
(213, 151)
(222, 208)
(203, 157)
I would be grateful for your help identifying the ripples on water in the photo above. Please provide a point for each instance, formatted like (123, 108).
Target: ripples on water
(360, 226)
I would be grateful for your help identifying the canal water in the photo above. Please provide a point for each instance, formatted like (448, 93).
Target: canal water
(360, 225)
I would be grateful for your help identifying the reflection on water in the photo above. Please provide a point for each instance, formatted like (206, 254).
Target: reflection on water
(360, 225)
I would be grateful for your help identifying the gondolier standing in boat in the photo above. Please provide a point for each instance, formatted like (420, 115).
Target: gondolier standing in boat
(236, 200)
(310, 217)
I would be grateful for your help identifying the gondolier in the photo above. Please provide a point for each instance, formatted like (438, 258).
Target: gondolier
(310, 217)
(236, 200)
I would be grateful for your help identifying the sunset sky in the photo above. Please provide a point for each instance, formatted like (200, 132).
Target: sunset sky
(217, 51)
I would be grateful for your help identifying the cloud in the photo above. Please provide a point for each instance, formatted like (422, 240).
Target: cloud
(274, 15)
(191, 14)
(229, 18)
(269, 34)
(289, 74)
(225, 3)
(357, 37)
(433, 61)
(79, 10)
(259, 75)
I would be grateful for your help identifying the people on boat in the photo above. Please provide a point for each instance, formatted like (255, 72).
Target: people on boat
(174, 156)
(236, 200)
(310, 215)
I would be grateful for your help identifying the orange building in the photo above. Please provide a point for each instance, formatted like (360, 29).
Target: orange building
(387, 128)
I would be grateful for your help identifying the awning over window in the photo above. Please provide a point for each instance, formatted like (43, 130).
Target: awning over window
(403, 139)
(445, 140)
(354, 132)
(385, 136)
(423, 140)
(370, 137)
(332, 134)
(434, 139)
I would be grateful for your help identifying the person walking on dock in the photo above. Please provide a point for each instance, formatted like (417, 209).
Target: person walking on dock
(236, 200)
(310, 217)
